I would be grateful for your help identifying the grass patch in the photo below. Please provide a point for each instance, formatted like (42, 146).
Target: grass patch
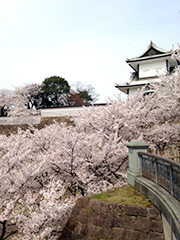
(126, 195)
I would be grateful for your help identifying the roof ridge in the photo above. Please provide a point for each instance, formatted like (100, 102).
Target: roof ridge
(151, 45)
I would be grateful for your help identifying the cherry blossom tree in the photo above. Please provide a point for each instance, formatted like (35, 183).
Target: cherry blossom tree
(28, 188)
(5, 96)
(20, 103)
(44, 171)
(176, 53)
(23, 101)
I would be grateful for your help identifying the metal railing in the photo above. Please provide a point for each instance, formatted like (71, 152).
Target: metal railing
(162, 171)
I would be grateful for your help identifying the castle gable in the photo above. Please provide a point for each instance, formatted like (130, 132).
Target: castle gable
(151, 52)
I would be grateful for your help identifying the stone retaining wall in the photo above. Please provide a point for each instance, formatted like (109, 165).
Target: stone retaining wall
(19, 121)
(95, 220)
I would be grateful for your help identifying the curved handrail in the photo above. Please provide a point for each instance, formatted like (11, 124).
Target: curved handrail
(169, 161)
(162, 171)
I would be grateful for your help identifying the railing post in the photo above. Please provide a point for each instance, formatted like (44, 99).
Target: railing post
(156, 171)
(135, 168)
(171, 179)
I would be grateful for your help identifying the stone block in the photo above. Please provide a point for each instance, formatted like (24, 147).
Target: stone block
(102, 220)
(136, 211)
(97, 232)
(78, 228)
(135, 235)
(119, 233)
(107, 208)
(75, 211)
(124, 234)
(153, 213)
(155, 236)
(76, 236)
(84, 216)
(95, 204)
(84, 230)
(156, 226)
(118, 209)
(142, 224)
(82, 202)
(71, 224)
(126, 222)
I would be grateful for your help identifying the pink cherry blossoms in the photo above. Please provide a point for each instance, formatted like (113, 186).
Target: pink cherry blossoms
(44, 171)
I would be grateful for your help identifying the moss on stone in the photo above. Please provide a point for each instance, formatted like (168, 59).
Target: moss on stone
(90, 209)
(126, 195)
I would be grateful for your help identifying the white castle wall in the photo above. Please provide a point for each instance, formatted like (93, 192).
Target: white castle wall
(151, 69)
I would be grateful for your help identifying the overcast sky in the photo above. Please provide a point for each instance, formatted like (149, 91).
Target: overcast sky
(81, 40)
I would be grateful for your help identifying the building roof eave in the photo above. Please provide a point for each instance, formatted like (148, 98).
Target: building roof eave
(130, 86)
(137, 59)
(138, 83)
(125, 89)
(122, 89)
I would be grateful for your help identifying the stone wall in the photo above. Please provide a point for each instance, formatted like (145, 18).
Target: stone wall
(19, 121)
(95, 220)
